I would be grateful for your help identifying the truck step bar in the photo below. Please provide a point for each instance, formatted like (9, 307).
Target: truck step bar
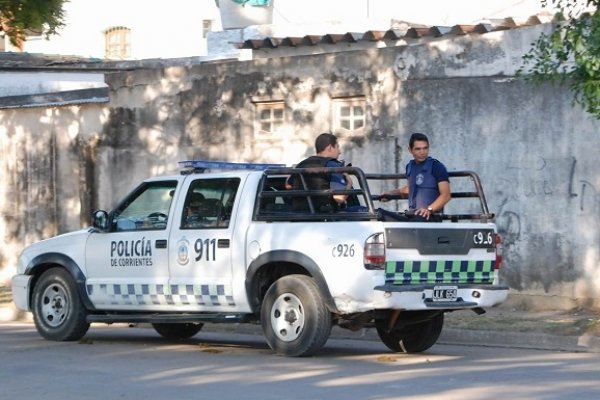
(168, 318)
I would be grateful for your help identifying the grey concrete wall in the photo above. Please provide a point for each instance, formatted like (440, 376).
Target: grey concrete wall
(534, 151)
(45, 175)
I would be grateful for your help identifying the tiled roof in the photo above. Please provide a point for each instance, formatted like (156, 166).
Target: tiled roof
(402, 32)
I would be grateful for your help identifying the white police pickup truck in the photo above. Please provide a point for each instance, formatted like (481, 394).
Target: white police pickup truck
(229, 246)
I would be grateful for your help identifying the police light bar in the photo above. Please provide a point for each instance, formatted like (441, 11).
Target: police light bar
(202, 165)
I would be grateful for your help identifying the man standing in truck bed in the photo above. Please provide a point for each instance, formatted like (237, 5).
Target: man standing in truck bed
(428, 188)
(328, 150)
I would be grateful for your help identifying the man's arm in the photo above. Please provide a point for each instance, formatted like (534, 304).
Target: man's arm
(341, 198)
(443, 198)
(402, 192)
(438, 203)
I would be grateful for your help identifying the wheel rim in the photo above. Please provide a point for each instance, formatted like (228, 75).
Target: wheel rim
(287, 317)
(54, 305)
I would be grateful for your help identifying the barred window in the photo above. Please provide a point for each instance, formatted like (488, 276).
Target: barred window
(117, 43)
(349, 115)
(269, 117)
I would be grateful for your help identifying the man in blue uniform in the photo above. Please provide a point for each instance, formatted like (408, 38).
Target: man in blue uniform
(428, 188)
(328, 150)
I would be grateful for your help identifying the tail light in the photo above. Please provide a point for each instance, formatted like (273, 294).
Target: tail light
(374, 254)
(499, 257)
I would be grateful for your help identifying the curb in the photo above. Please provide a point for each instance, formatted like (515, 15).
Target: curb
(450, 336)
(459, 337)
(521, 340)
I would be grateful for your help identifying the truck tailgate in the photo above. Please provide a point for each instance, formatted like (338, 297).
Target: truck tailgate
(433, 253)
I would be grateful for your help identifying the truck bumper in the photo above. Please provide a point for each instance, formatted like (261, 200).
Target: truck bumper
(20, 291)
(421, 297)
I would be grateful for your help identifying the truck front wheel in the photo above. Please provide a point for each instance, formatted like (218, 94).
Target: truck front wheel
(294, 317)
(58, 312)
(413, 338)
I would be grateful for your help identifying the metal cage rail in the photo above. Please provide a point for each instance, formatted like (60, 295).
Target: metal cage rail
(274, 200)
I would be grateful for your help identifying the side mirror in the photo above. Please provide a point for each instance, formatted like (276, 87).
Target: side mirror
(100, 220)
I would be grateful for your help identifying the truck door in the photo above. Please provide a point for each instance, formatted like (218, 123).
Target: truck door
(127, 267)
(201, 244)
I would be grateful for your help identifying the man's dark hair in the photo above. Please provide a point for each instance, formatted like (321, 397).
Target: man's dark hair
(324, 140)
(417, 137)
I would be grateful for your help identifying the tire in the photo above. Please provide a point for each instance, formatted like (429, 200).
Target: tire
(177, 331)
(58, 312)
(294, 317)
(413, 338)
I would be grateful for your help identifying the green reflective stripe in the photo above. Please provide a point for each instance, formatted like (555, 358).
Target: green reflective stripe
(390, 267)
(441, 271)
(418, 278)
(472, 266)
(456, 266)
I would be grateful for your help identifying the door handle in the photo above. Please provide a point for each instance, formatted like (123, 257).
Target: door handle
(223, 243)
(161, 244)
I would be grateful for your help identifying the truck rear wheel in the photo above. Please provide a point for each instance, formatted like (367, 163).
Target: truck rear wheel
(58, 312)
(413, 338)
(294, 317)
(177, 331)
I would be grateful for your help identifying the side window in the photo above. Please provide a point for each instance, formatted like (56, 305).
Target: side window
(272, 203)
(147, 208)
(209, 203)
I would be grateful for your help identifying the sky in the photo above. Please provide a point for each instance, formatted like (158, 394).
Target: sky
(434, 12)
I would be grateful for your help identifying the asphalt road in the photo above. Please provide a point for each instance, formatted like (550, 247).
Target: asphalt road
(114, 362)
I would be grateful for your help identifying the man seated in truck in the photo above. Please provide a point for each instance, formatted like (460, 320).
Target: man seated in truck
(428, 189)
(192, 214)
(328, 150)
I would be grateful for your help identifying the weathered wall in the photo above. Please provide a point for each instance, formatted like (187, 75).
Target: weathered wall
(533, 150)
(45, 174)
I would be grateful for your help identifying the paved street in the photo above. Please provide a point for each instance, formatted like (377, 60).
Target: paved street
(114, 362)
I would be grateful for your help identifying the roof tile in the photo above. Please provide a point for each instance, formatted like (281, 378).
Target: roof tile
(400, 30)
(373, 36)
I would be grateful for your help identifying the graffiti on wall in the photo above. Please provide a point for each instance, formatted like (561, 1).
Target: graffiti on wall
(535, 224)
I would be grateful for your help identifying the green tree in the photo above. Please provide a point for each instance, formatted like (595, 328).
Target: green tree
(17, 17)
(570, 54)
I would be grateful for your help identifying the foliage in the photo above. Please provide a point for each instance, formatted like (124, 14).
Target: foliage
(570, 53)
(18, 17)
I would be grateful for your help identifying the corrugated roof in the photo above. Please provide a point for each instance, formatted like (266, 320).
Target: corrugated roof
(65, 98)
(406, 33)
(10, 61)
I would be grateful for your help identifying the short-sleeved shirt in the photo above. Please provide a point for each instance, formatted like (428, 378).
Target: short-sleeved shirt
(320, 181)
(423, 179)
(336, 181)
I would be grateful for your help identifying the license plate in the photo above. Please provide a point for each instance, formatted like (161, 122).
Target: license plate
(445, 293)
